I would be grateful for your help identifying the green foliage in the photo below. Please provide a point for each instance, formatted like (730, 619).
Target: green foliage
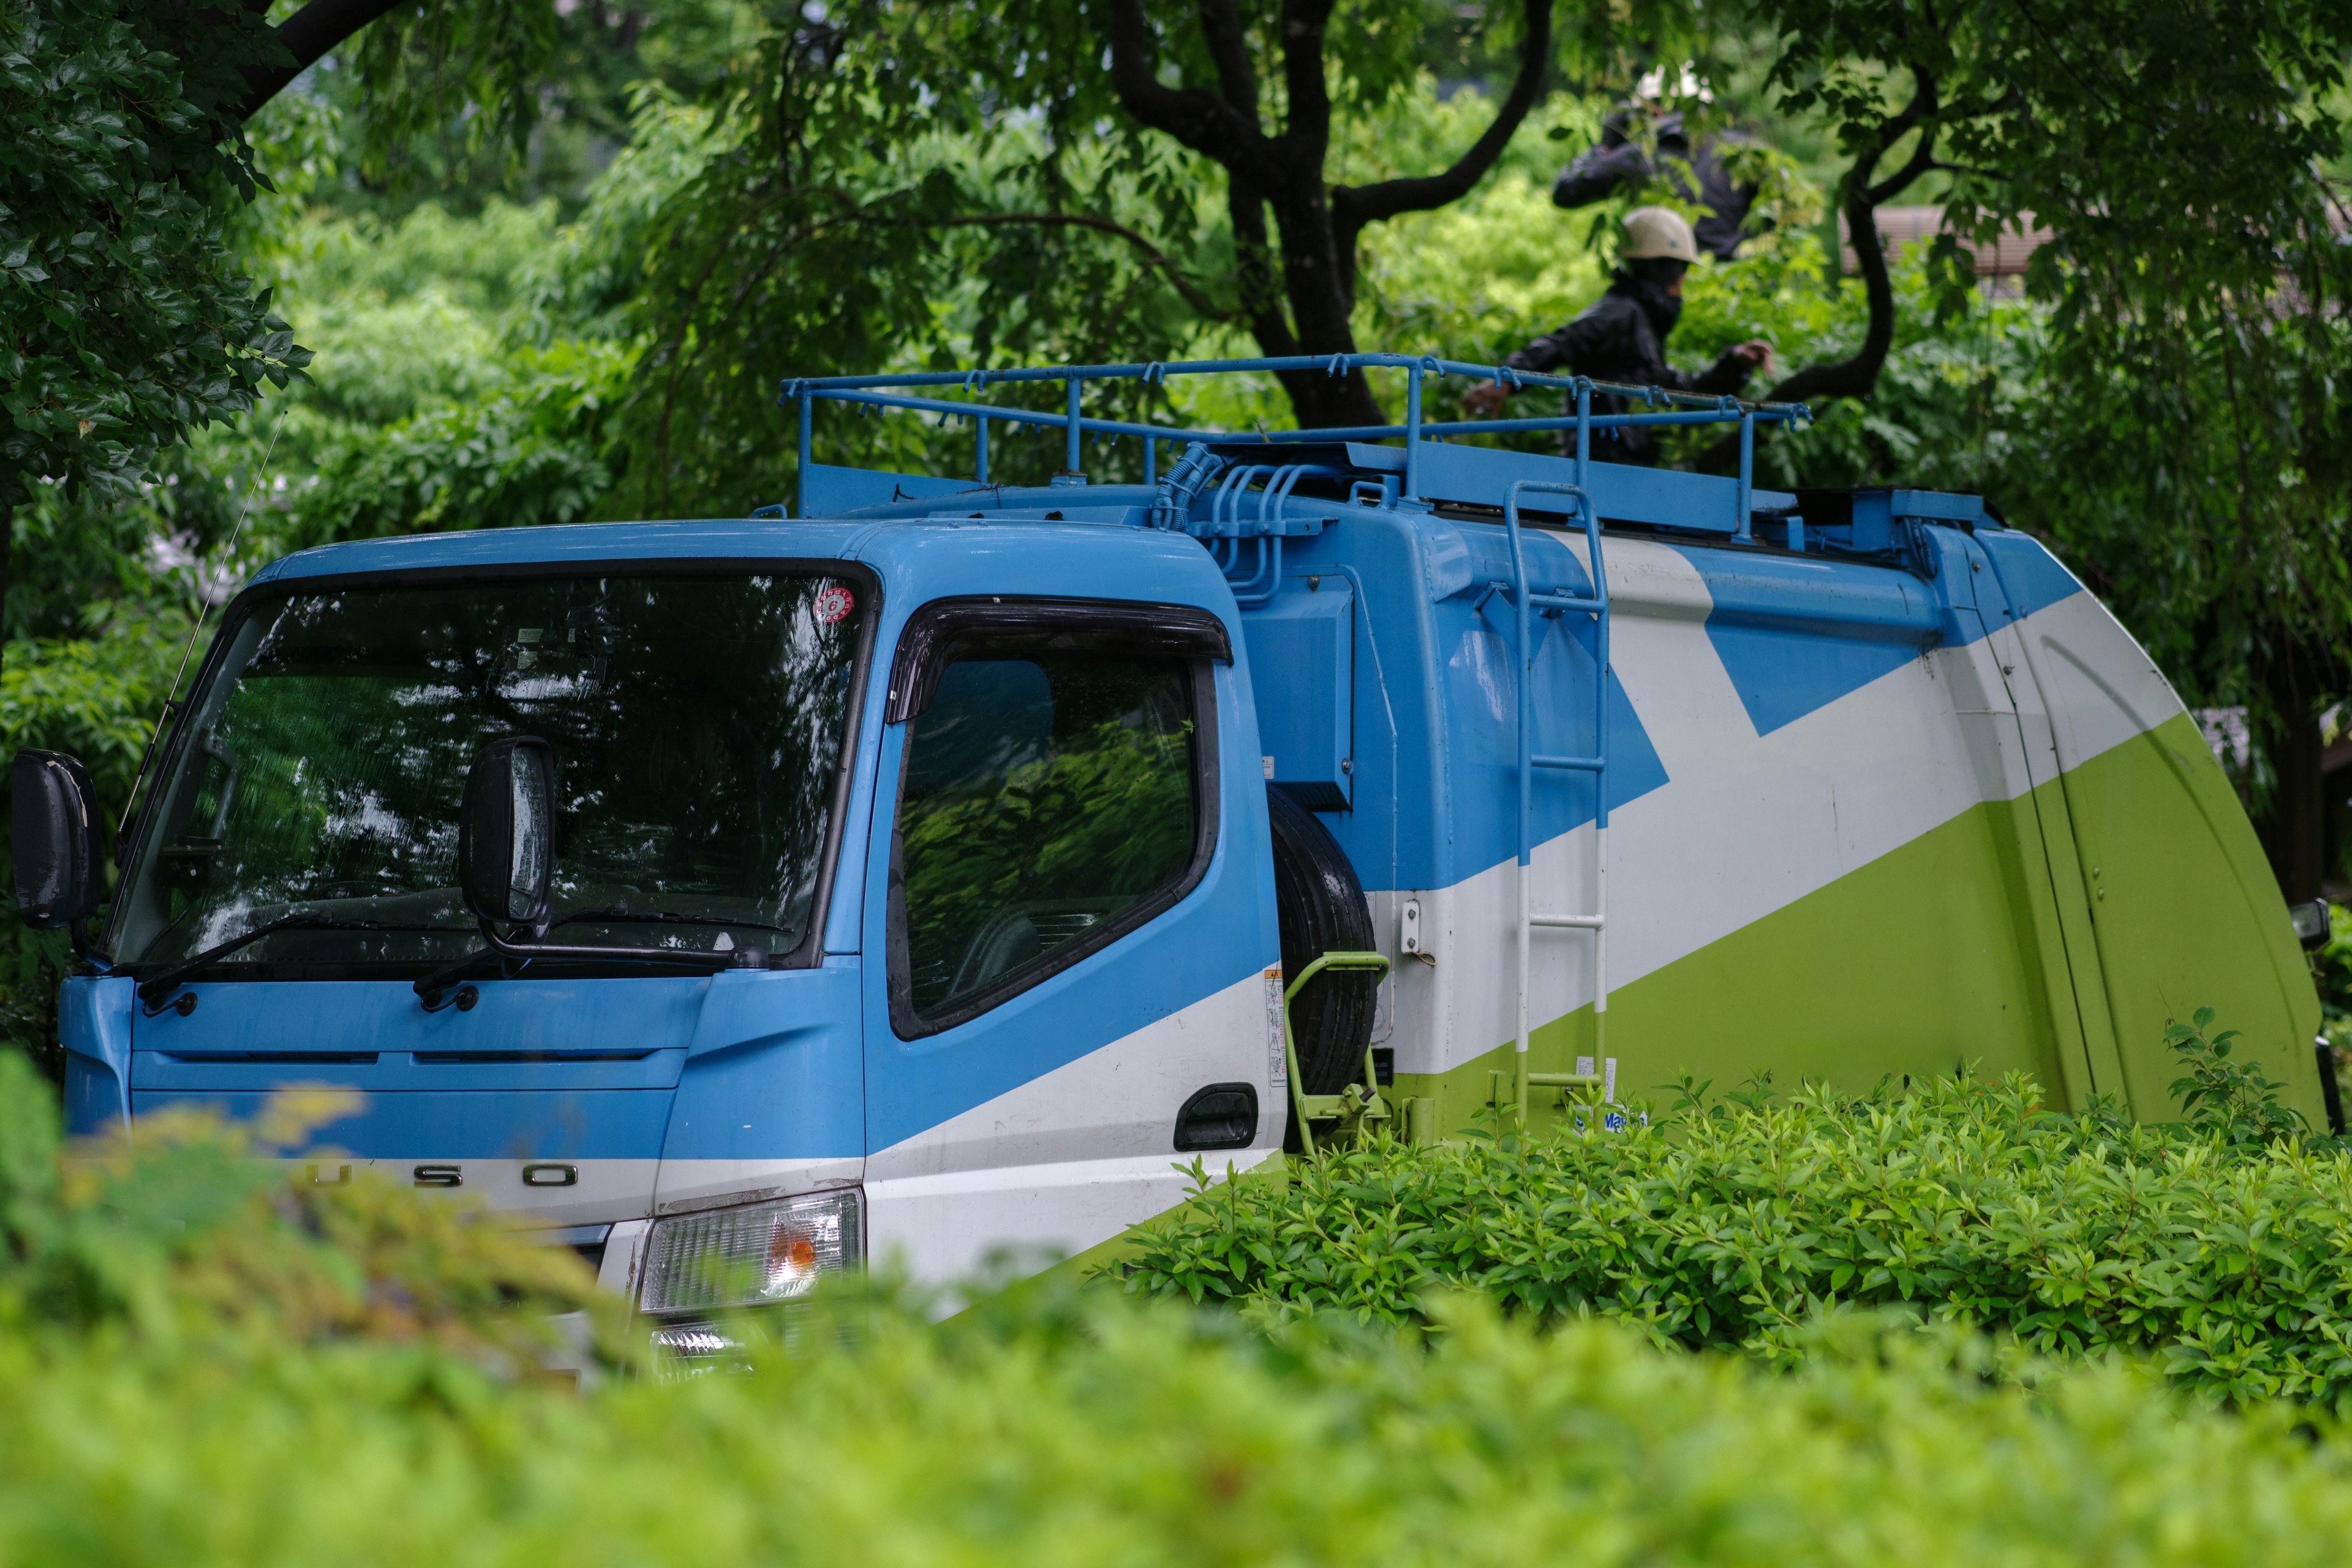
(523, 100)
(200, 1362)
(2177, 430)
(420, 65)
(1736, 1224)
(1949, 405)
(125, 319)
(2185, 453)
(193, 1246)
(2230, 1100)
(97, 697)
(444, 395)
(526, 450)
(1478, 278)
(587, 277)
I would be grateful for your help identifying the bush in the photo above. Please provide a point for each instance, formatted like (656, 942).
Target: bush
(1736, 1224)
(194, 1249)
(1047, 1429)
(203, 1365)
(97, 697)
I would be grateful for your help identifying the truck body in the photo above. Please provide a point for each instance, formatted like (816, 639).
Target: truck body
(917, 862)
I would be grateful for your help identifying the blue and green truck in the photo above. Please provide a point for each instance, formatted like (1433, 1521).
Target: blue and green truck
(926, 874)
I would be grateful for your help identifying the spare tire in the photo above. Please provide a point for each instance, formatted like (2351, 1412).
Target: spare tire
(1321, 908)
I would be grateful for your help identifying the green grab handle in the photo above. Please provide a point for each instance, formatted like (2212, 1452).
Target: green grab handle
(1339, 960)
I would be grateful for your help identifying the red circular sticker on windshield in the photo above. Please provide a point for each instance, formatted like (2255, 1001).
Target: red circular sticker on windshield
(832, 603)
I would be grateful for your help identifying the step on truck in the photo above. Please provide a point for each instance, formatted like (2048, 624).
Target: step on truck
(929, 873)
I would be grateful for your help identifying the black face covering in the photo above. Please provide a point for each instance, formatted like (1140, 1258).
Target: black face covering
(1649, 288)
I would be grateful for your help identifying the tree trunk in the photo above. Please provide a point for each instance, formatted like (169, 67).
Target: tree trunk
(1315, 283)
(307, 35)
(1319, 227)
(2292, 825)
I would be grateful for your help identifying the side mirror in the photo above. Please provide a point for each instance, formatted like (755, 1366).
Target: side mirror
(54, 835)
(2310, 922)
(506, 835)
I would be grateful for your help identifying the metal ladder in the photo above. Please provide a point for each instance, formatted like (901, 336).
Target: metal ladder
(1525, 602)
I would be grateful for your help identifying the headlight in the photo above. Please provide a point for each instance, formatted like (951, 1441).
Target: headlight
(751, 1255)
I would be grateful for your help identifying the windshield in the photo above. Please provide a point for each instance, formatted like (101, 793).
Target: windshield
(696, 727)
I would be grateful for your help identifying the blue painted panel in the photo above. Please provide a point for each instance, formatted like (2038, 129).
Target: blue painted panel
(1436, 782)
(651, 1014)
(585, 1124)
(1941, 504)
(1796, 635)
(828, 491)
(94, 1025)
(775, 1070)
(394, 1072)
(1781, 676)
(1302, 648)
(1620, 492)
(1832, 599)
(1481, 737)
(2030, 577)
(778, 1050)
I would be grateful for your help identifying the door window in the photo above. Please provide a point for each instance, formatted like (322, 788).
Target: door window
(1052, 799)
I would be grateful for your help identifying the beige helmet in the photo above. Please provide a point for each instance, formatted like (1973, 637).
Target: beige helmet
(1658, 231)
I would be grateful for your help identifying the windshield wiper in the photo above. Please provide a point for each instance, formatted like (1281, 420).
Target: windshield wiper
(621, 915)
(155, 989)
(430, 988)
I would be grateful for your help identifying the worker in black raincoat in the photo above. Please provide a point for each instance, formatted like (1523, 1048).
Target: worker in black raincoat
(1620, 164)
(1620, 337)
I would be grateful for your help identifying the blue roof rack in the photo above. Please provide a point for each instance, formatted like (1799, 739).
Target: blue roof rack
(1424, 467)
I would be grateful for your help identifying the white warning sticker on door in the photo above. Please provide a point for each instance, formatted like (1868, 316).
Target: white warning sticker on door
(1278, 1067)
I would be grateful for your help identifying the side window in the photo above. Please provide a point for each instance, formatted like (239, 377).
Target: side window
(1053, 797)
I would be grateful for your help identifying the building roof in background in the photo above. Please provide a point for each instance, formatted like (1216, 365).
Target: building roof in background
(2003, 262)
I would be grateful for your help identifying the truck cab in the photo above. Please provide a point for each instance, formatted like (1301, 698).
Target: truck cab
(906, 879)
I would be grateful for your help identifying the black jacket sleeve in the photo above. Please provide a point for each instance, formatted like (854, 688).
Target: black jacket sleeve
(1598, 174)
(1611, 341)
(1727, 374)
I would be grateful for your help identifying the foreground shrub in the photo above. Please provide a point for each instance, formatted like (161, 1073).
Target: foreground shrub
(195, 1246)
(1084, 1428)
(1735, 1226)
(201, 1364)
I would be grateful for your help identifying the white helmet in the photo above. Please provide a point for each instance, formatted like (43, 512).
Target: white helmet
(1658, 232)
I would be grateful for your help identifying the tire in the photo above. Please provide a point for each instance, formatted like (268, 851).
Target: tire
(1321, 908)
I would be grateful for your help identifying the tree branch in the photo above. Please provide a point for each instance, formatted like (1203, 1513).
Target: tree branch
(1207, 124)
(1857, 376)
(1307, 124)
(1261, 295)
(1941, 167)
(1229, 52)
(1354, 207)
(308, 35)
(1923, 157)
(1357, 205)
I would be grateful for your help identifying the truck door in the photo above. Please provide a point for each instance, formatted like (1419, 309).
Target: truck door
(1070, 897)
